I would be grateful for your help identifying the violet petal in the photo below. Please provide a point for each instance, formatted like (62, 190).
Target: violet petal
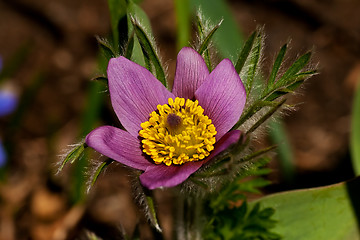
(156, 176)
(134, 93)
(191, 72)
(222, 96)
(118, 145)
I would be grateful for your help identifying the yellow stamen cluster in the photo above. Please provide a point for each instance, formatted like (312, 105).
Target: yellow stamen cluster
(178, 132)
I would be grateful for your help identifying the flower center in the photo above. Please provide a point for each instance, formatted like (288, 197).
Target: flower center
(177, 133)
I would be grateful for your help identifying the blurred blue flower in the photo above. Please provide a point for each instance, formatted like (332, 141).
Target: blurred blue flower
(2, 155)
(8, 103)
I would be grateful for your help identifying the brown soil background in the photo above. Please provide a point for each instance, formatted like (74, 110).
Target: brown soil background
(34, 203)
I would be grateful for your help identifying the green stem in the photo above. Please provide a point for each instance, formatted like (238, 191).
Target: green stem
(189, 218)
(183, 23)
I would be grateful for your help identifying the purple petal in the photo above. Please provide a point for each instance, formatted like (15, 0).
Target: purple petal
(223, 97)
(134, 93)
(191, 72)
(118, 145)
(156, 176)
(8, 102)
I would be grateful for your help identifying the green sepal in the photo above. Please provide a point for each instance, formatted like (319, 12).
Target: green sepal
(99, 170)
(245, 51)
(129, 47)
(106, 48)
(149, 51)
(101, 78)
(147, 60)
(73, 155)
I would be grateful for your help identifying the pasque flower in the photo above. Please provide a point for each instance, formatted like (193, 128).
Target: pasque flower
(170, 135)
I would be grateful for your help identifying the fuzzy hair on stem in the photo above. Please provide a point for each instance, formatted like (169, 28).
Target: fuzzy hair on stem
(140, 198)
(59, 165)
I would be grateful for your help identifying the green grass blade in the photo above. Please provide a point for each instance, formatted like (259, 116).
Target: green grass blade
(278, 136)
(355, 133)
(117, 10)
(183, 23)
(330, 212)
(244, 54)
(89, 118)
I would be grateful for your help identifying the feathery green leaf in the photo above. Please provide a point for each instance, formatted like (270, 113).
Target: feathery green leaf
(244, 54)
(277, 64)
(149, 51)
